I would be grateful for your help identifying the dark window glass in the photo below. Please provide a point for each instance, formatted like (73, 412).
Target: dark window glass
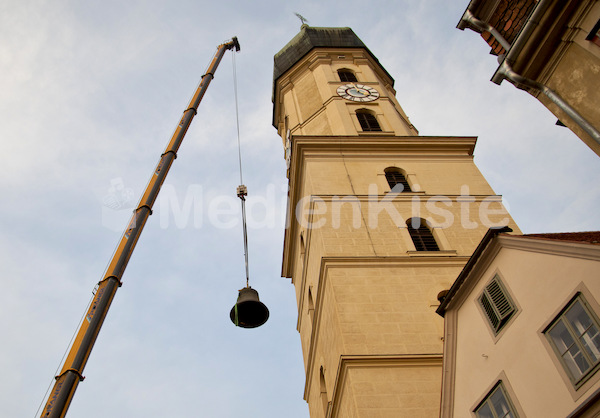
(347, 76)
(421, 236)
(575, 338)
(496, 405)
(394, 177)
(368, 122)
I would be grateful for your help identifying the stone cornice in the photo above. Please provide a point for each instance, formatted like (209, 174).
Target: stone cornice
(409, 197)
(377, 144)
(571, 249)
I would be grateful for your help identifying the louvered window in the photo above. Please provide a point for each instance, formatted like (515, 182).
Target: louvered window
(575, 338)
(395, 177)
(347, 76)
(368, 121)
(421, 236)
(497, 305)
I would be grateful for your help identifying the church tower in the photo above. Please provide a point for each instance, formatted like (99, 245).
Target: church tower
(380, 222)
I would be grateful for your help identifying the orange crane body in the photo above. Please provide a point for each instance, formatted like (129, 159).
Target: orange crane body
(72, 370)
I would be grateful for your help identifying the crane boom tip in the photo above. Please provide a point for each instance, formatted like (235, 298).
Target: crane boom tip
(236, 44)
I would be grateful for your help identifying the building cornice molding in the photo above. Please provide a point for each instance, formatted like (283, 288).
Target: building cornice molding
(385, 145)
(571, 249)
(347, 363)
(392, 261)
(409, 197)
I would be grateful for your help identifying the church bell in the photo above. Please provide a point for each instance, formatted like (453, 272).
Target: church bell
(248, 311)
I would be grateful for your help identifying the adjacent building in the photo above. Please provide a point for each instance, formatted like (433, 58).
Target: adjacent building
(549, 48)
(522, 328)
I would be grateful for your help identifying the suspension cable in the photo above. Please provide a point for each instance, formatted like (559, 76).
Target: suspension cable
(242, 191)
(237, 116)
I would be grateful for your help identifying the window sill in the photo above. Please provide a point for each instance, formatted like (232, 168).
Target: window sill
(441, 253)
(412, 192)
(376, 133)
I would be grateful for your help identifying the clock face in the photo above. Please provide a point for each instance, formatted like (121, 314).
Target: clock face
(358, 92)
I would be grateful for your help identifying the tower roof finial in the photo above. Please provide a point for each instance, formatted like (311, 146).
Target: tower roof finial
(302, 19)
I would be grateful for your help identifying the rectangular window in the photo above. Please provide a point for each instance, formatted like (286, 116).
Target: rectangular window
(496, 405)
(496, 304)
(575, 339)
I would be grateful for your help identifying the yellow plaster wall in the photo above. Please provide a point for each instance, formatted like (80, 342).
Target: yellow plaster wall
(341, 175)
(307, 94)
(372, 308)
(379, 308)
(381, 234)
(310, 89)
(390, 310)
(396, 392)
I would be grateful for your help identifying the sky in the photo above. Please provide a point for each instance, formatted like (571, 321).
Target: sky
(90, 95)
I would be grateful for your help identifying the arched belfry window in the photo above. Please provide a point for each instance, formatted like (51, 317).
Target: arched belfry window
(421, 235)
(346, 75)
(368, 121)
(396, 177)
